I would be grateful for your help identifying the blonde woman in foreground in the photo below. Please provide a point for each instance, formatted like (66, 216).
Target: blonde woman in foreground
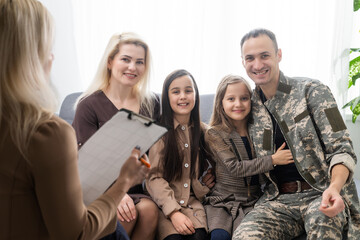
(40, 190)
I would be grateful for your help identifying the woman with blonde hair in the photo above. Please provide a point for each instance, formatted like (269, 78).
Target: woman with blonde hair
(41, 196)
(122, 81)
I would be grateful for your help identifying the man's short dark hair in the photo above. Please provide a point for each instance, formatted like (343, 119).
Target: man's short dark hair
(258, 32)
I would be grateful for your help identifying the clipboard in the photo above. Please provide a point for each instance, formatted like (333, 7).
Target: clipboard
(103, 154)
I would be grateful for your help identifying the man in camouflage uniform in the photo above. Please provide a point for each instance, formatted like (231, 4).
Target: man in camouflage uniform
(316, 194)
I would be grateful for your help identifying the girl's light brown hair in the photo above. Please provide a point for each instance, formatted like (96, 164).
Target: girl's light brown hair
(219, 117)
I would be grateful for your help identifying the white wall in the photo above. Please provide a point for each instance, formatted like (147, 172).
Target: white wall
(354, 130)
(201, 36)
(65, 71)
(354, 91)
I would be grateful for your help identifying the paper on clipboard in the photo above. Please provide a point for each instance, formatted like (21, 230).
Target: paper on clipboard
(103, 154)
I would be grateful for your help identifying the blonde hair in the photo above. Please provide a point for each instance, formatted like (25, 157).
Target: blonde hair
(26, 97)
(102, 76)
(219, 118)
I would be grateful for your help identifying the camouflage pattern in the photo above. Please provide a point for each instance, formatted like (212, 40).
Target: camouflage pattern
(309, 119)
(285, 217)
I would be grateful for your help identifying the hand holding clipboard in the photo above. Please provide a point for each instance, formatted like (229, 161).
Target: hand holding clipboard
(101, 157)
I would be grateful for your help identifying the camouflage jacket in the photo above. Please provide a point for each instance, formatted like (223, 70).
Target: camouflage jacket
(315, 132)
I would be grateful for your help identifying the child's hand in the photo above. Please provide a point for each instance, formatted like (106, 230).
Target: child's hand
(282, 157)
(126, 210)
(182, 223)
(208, 179)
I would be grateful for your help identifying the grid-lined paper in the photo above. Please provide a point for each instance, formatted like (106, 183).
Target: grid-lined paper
(102, 156)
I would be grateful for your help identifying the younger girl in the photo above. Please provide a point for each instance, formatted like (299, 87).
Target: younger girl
(177, 161)
(238, 183)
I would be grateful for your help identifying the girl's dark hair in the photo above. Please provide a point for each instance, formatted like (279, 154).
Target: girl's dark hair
(172, 158)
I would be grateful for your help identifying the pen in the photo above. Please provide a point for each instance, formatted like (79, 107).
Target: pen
(143, 159)
(145, 162)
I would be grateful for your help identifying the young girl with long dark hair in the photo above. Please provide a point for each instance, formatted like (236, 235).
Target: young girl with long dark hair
(178, 160)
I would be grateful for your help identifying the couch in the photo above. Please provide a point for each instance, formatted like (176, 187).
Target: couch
(67, 112)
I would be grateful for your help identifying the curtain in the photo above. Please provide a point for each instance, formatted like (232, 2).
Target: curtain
(342, 36)
(203, 36)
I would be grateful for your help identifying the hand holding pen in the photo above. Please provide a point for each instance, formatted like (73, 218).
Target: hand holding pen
(132, 172)
(144, 159)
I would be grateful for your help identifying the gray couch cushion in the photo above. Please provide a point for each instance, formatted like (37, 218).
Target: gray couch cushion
(206, 107)
(67, 109)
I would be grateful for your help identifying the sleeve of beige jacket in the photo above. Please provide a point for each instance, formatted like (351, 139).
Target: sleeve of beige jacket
(157, 186)
(54, 163)
(225, 156)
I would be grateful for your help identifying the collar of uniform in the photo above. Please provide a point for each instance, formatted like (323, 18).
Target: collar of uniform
(284, 85)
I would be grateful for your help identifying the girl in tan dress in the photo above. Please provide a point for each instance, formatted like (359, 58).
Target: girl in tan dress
(177, 160)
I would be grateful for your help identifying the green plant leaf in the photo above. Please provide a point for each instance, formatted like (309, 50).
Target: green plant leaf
(356, 5)
(355, 77)
(354, 49)
(356, 112)
(354, 116)
(354, 107)
(354, 70)
(352, 103)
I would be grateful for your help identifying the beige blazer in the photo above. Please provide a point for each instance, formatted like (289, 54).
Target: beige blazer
(184, 195)
(41, 198)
